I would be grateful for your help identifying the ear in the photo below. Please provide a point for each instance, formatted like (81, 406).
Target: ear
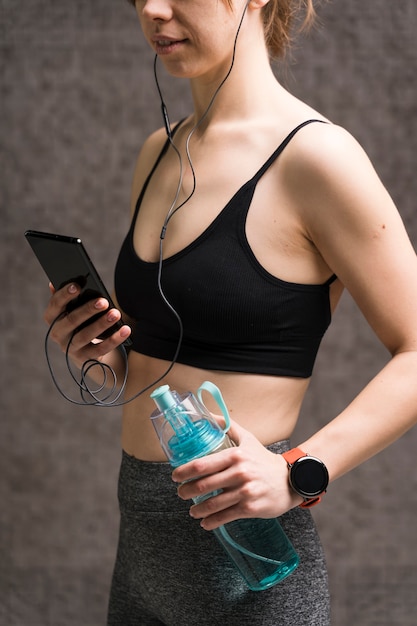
(257, 4)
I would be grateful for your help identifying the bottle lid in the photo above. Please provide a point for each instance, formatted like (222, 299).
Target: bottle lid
(191, 438)
(164, 398)
(204, 440)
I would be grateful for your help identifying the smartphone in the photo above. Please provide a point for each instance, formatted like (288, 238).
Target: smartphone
(65, 260)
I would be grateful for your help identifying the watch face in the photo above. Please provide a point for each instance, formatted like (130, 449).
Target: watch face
(309, 477)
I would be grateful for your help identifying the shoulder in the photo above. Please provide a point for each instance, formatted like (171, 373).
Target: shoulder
(325, 166)
(347, 213)
(151, 147)
(323, 151)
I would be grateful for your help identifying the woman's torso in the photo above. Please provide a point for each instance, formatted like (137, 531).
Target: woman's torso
(223, 161)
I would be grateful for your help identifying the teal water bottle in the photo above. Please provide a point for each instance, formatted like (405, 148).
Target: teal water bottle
(259, 548)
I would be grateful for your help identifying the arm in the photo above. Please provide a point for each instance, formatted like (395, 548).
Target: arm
(353, 224)
(359, 233)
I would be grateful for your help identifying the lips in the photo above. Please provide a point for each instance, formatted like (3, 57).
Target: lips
(164, 42)
(166, 45)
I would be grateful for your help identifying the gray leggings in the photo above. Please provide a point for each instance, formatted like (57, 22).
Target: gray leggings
(170, 572)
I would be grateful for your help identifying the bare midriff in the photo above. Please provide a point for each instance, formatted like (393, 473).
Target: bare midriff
(279, 399)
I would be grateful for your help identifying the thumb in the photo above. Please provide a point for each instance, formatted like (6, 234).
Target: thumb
(237, 433)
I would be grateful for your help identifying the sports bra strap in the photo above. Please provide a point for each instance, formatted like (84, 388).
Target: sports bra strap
(281, 148)
(330, 280)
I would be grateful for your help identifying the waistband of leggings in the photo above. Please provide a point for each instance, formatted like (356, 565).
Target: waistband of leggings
(147, 486)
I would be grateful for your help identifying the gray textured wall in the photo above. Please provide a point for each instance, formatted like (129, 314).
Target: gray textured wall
(77, 99)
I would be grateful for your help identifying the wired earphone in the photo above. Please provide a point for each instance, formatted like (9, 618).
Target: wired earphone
(112, 395)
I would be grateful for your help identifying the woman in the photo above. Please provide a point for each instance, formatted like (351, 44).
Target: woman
(257, 250)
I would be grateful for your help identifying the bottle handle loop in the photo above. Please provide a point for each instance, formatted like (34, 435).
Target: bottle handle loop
(216, 394)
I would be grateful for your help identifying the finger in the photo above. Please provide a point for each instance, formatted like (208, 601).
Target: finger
(96, 349)
(65, 328)
(220, 519)
(238, 434)
(90, 320)
(97, 330)
(199, 487)
(215, 505)
(211, 464)
(59, 301)
(225, 516)
(66, 294)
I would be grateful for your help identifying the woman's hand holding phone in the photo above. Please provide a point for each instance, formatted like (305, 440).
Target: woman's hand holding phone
(84, 321)
(88, 340)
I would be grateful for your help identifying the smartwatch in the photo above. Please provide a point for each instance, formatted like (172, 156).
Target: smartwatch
(308, 476)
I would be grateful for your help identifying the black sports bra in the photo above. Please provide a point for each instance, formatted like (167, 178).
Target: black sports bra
(236, 316)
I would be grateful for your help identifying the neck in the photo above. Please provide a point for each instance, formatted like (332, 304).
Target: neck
(236, 90)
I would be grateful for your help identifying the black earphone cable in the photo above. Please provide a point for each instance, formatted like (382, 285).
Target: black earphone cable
(84, 386)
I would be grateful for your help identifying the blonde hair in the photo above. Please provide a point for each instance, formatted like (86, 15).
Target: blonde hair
(282, 18)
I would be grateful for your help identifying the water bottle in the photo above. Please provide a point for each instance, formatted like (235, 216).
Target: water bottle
(259, 548)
